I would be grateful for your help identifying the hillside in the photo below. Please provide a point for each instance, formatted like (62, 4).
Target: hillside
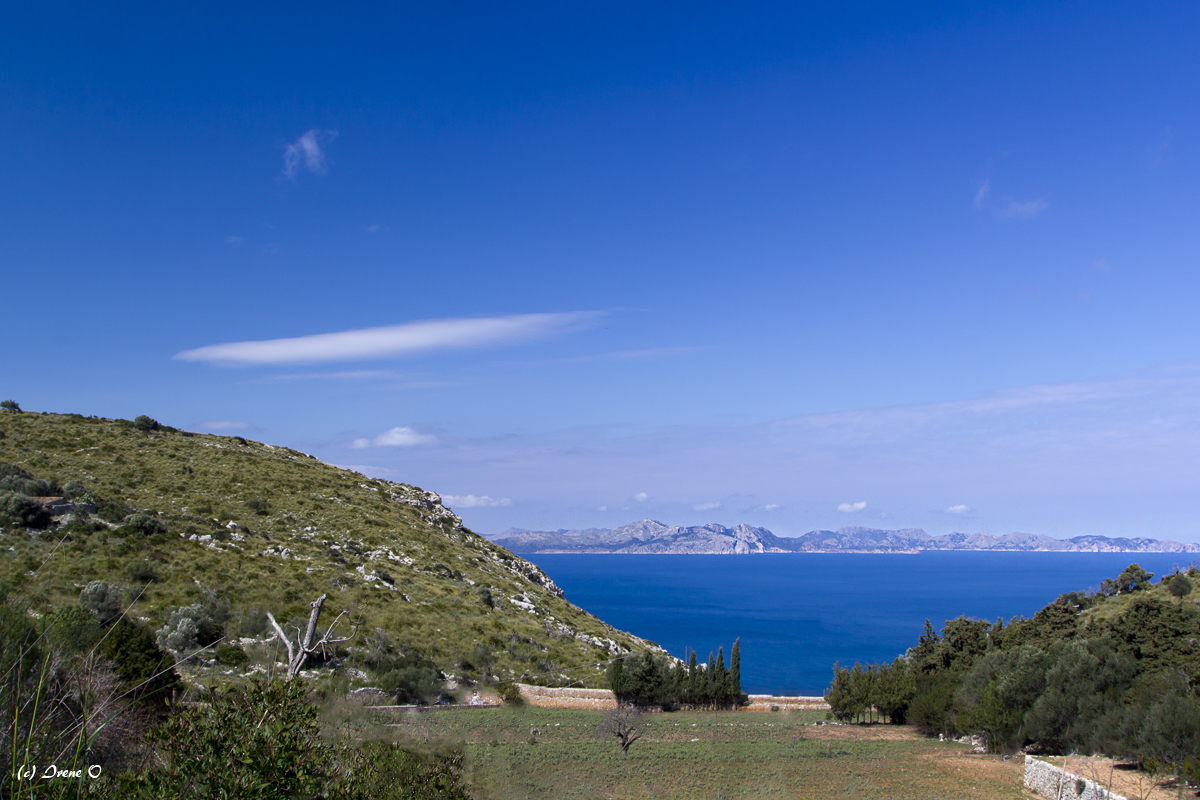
(253, 528)
(650, 536)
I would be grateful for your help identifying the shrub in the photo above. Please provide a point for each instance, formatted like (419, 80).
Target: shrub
(231, 655)
(140, 663)
(73, 628)
(104, 600)
(510, 694)
(10, 405)
(144, 524)
(17, 509)
(141, 572)
(188, 629)
(263, 741)
(144, 423)
(414, 681)
(73, 490)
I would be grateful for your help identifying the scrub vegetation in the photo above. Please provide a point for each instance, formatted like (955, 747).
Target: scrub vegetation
(1113, 671)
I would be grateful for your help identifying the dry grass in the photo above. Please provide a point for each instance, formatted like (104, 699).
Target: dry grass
(554, 753)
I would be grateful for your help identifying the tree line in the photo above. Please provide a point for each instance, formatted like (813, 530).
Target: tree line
(653, 679)
(1111, 671)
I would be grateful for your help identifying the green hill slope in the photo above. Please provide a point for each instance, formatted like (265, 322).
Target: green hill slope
(263, 528)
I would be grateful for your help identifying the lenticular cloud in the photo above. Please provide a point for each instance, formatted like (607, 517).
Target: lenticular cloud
(392, 341)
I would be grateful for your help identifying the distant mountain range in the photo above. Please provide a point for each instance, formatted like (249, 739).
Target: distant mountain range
(650, 536)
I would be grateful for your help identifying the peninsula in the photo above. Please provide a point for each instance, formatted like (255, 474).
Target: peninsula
(652, 537)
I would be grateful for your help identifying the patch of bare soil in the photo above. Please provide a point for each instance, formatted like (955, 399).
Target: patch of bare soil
(871, 731)
(1124, 779)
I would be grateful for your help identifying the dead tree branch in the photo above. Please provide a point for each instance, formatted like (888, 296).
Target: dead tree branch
(304, 646)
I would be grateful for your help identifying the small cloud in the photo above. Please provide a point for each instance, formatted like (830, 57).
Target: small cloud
(393, 341)
(1102, 265)
(641, 497)
(772, 506)
(981, 194)
(375, 228)
(602, 508)
(959, 509)
(307, 153)
(850, 508)
(1025, 210)
(706, 506)
(234, 240)
(225, 425)
(396, 437)
(471, 501)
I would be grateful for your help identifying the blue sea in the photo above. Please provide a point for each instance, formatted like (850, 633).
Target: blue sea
(797, 613)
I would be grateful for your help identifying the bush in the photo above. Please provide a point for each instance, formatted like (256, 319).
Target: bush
(189, 629)
(73, 628)
(17, 509)
(417, 681)
(144, 524)
(141, 572)
(10, 405)
(73, 490)
(140, 663)
(104, 600)
(231, 655)
(144, 423)
(263, 741)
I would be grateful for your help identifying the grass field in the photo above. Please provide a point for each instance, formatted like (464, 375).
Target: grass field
(555, 753)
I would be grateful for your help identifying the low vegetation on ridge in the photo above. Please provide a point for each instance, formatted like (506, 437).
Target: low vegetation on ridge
(221, 530)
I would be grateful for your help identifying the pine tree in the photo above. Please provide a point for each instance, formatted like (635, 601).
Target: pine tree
(735, 670)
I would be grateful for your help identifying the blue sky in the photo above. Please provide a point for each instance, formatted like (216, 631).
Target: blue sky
(931, 264)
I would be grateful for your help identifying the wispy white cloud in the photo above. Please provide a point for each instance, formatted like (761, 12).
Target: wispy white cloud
(850, 508)
(641, 497)
(471, 501)
(225, 425)
(959, 509)
(392, 341)
(981, 194)
(706, 506)
(1023, 210)
(375, 227)
(396, 437)
(772, 506)
(307, 153)
(234, 240)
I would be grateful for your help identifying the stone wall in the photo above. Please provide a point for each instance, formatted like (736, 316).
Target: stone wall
(764, 702)
(1055, 783)
(603, 698)
(546, 697)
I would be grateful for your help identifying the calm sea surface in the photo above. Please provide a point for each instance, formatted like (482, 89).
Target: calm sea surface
(797, 613)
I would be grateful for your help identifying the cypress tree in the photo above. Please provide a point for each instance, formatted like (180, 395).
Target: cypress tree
(709, 675)
(721, 679)
(735, 670)
(616, 680)
(693, 685)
